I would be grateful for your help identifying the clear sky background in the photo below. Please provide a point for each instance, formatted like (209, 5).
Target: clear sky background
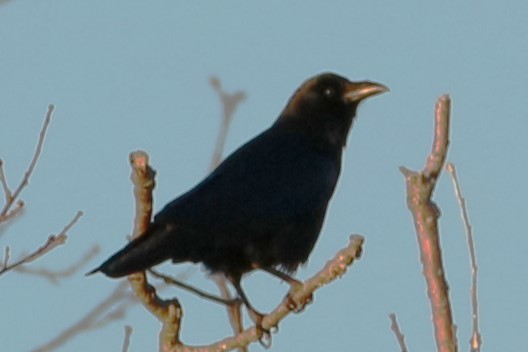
(128, 74)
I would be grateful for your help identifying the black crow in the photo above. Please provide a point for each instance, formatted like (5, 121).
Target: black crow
(264, 205)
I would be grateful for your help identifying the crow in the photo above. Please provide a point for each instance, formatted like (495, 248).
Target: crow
(263, 207)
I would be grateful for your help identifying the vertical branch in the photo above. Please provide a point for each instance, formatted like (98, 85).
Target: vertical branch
(3, 181)
(168, 312)
(126, 340)
(230, 103)
(437, 157)
(420, 187)
(476, 339)
(397, 332)
(143, 179)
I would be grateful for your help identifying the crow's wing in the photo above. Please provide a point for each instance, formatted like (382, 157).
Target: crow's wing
(274, 188)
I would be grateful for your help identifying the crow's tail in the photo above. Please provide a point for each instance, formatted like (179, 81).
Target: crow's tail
(140, 254)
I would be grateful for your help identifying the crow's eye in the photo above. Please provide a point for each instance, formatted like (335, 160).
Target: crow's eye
(329, 92)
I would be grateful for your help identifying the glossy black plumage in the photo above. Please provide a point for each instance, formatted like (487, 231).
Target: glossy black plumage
(264, 205)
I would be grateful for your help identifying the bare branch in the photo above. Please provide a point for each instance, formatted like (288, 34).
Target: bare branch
(172, 281)
(234, 311)
(475, 341)
(397, 332)
(52, 242)
(420, 187)
(54, 276)
(168, 312)
(230, 103)
(126, 342)
(143, 179)
(7, 256)
(3, 181)
(4, 213)
(436, 159)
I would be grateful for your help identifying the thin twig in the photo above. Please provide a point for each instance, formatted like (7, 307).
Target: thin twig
(7, 256)
(234, 311)
(3, 181)
(230, 103)
(173, 281)
(54, 276)
(420, 187)
(475, 341)
(397, 332)
(25, 180)
(52, 242)
(126, 341)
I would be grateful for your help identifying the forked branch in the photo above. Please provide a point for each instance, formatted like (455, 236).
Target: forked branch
(420, 187)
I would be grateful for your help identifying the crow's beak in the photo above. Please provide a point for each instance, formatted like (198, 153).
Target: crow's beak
(357, 91)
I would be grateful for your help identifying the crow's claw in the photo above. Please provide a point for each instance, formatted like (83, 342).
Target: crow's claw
(296, 306)
(263, 335)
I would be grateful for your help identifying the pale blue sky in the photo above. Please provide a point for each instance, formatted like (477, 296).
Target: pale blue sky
(129, 74)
